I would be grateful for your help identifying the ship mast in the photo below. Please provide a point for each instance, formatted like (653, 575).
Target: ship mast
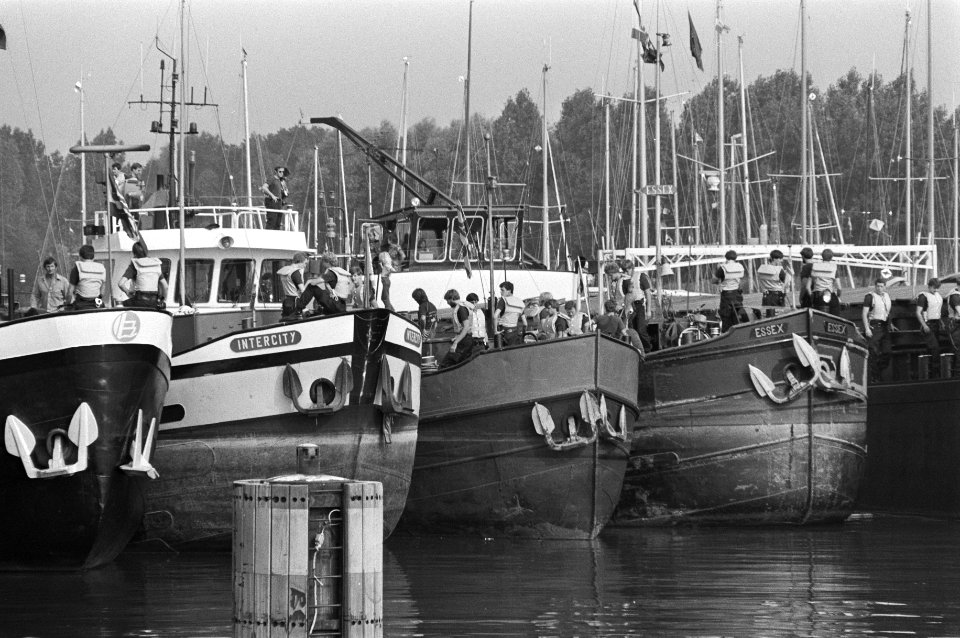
(930, 168)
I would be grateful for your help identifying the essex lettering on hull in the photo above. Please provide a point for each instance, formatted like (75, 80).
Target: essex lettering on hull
(836, 328)
(262, 342)
(767, 331)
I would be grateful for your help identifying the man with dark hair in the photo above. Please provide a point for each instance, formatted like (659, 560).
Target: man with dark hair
(462, 344)
(51, 290)
(330, 290)
(929, 309)
(292, 286)
(143, 280)
(426, 312)
(823, 284)
(133, 186)
(509, 316)
(275, 195)
(877, 327)
(87, 277)
(772, 281)
(728, 276)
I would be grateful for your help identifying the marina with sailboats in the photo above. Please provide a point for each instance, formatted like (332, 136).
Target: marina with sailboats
(651, 319)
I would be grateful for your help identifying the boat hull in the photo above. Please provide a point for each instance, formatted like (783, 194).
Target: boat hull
(710, 448)
(913, 436)
(481, 466)
(115, 362)
(229, 416)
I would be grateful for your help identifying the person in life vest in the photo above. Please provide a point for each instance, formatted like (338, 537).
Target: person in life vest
(571, 323)
(806, 269)
(929, 309)
(824, 285)
(461, 347)
(772, 281)
(479, 329)
(953, 325)
(728, 277)
(330, 290)
(292, 286)
(508, 316)
(143, 280)
(426, 313)
(87, 278)
(877, 327)
(548, 320)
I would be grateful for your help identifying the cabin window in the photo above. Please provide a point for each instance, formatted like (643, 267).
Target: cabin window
(474, 235)
(504, 239)
(198, 281)
(431, 238)
(235, 278)
(270, 286)
(403, 236)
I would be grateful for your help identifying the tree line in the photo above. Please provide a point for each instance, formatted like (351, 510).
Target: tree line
(857, 125)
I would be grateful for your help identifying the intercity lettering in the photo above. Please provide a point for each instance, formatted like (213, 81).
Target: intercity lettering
(260, 342)
(766, 331)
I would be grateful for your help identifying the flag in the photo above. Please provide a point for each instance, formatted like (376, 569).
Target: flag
(120, 210)
(3, 38)
(695, 49)
(649, 50)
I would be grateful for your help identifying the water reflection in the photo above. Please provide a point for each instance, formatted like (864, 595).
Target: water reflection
(883, 576)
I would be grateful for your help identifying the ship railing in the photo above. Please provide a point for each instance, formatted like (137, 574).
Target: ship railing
(206, 216)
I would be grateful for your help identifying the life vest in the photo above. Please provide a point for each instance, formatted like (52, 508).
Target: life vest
(934, 306)
(478, 328)
(344, 287)
(286, 280)
(824, 273)
(148, 274)
(881, 307)
(548, 326)
(92, 275)
(732, 274)
(768, 278)
(512, 308)
(575, 323)
(457, 326)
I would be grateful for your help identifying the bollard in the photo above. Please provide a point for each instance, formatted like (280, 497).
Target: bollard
(946, 365)
(923, 366)
(308, 557)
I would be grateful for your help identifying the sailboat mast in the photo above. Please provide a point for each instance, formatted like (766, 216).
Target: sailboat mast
(804, 162)
(743, 129)
(466, 105)
(606, 174)
(931, 200)
(633, 166)
(83, 160)
(183, 123)
(720, 133)
(909, 141)
(246, 131)
(546, 209)
(642, 125)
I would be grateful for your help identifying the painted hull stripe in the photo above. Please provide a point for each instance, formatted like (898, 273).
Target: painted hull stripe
(86, 355)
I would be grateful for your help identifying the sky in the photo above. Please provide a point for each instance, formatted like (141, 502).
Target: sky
(311, 58)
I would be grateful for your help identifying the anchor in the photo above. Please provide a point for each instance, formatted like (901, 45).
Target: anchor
(342, 386)
(139, 464)
(544, 425)
(20, 441)
(825, 374)
(393, 402)
(597, 415)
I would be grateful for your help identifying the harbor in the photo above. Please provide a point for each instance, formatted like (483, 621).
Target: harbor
(663, 356)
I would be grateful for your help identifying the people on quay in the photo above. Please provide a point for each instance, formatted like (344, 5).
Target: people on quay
(426, 312)
(877, 327)
(275, 193)
(292, 284)
(806, 272)
(824, 285)
(87, 278)
(728, 276)
(508, 316)
(929, 309)
(143, 280)
(133, 186)
(772, 281)
(50, 291)
(391, 258)
(953, 325)
(330, 290)
(480, 336)
(461, 347)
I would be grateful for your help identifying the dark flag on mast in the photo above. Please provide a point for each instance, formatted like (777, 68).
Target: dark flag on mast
(649, 49)
(695, 49)
(3, 38)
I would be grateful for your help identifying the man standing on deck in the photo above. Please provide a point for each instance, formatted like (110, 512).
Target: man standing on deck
(877, 327)
(509, 316)
(51, 291)
(87, 278)
(143, 280)
(292, 284)
(462, 345)
(275, 196)
(728, 276)
(823, 284)
(929, 307)
(806, 270)
(772, 281)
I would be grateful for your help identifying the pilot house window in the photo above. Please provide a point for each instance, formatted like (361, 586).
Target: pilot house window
(235, 279)
(431, 238)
